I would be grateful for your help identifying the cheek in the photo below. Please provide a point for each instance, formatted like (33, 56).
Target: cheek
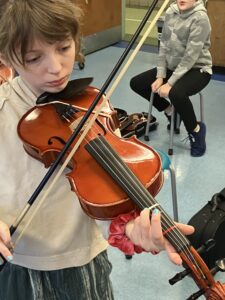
(71, 59)
(32, 79)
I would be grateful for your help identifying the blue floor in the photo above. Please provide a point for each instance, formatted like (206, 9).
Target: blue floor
(145, 277)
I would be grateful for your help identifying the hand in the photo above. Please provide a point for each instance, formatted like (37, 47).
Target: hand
(148, 234)
(164, 90)
(156, 84)
(5, 241)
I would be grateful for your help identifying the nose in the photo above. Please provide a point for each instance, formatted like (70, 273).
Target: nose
(54, 65)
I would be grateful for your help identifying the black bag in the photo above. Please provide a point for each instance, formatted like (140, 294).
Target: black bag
(134, 123)
(209, 223)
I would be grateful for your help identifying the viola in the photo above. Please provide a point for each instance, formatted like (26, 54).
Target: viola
(52, 125)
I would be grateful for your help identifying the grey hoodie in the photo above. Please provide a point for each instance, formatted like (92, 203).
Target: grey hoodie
(185, 42)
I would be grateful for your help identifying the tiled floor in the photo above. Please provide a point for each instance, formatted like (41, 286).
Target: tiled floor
(145, 277)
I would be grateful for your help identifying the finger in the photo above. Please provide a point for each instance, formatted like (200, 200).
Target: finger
(145, 231)
(145, 218)
(5, 241)
(185, 229)
(153, 88)
(5, 252)
(134, 235)
(172, 254)
(156, 230)
(5, 233)
(158, 91)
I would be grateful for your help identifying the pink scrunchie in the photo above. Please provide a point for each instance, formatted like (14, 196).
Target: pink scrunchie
(117, 237)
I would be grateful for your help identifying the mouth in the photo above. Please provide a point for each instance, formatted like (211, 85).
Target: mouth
(58, 82)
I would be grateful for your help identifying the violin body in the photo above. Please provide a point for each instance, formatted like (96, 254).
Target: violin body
(44, 134)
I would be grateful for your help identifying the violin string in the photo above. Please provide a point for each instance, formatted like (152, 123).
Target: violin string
(177, 236)
(164, 217)
(166, 220)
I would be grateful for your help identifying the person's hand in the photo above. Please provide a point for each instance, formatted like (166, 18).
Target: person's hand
(164, 90)
(148, 234)
(5, 241)
(156, 84)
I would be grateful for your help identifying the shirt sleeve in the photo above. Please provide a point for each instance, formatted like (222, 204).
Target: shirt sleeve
(161, 63)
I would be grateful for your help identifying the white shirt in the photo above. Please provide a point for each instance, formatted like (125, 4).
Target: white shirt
(60, 235)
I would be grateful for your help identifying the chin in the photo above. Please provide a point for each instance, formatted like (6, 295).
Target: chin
(56, 89)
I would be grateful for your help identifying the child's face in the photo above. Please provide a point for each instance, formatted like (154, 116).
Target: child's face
(48, 66)
(185, 4)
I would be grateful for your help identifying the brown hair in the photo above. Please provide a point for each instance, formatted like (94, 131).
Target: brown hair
(23, 20)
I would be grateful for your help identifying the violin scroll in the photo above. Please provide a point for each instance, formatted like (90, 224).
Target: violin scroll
(216, 292)
(202, 276)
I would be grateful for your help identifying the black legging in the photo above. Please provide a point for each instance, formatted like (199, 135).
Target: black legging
(190, 84)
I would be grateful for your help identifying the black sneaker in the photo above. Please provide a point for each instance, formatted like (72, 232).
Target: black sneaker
(176, 126)
(197, 140)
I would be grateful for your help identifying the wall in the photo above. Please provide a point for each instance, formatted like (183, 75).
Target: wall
(216, 12)
(102, 23)
(142, 3)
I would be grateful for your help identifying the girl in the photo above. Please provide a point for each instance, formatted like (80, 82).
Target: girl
(62, 254)
(184, 67)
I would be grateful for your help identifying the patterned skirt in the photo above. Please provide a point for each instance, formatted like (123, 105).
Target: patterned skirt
(88, 282)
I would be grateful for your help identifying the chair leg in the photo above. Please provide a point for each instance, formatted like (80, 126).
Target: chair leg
(147, 133)
(170, 150)
(177, 127)
(201, 107)
(174, 192)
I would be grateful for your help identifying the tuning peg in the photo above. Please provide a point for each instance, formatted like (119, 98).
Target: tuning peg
(220, 266)
(207, 246)
(179, 276)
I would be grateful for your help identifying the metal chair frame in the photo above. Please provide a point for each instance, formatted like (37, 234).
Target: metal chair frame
(147, 133)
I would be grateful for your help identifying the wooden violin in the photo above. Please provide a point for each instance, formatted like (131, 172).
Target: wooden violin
(100, 197)
(126, 171)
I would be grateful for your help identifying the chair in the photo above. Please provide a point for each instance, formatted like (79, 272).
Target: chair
(147, 133)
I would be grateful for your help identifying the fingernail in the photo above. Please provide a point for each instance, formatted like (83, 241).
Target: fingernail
(155, 211)
(9, 258)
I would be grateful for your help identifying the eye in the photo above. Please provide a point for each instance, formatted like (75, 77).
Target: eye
(32, 60)
(64, 48)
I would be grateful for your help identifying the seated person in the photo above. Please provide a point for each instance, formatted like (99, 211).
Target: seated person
(184, 67)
